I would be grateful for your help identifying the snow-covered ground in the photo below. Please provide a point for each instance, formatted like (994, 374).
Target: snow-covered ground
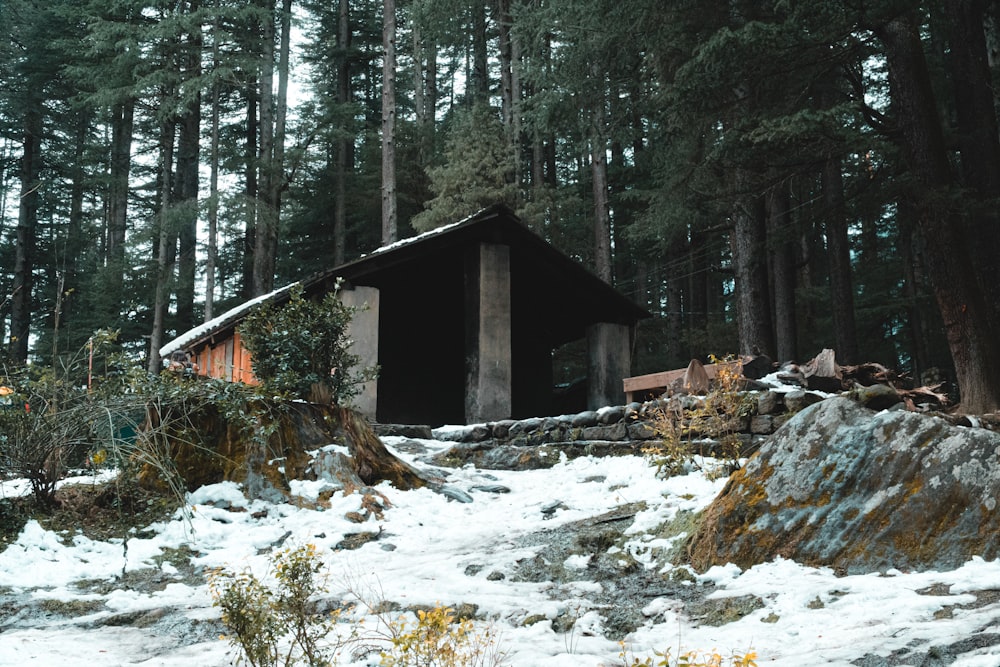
(434, 550)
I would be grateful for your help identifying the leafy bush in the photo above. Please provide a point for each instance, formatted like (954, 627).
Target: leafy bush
(438, 639)
(101, 409)
(680, 433)
(281, 625)
(284, 625)
(59, 417)
(302, 348)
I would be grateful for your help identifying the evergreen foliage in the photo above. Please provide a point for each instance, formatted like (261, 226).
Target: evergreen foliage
(302, 348)
(709, 121)
(477, 170)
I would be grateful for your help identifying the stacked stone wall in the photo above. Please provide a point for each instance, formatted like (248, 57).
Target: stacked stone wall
(628, 429)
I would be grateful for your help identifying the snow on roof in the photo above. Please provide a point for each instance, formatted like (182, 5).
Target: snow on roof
(419, 237)
(236, 313)
(225, 318)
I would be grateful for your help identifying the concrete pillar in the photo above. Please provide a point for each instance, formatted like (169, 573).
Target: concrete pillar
(487, 334)
(363, 330)
(609, 361)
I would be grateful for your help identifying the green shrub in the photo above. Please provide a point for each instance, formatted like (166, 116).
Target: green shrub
(302, 348)
(281, 625)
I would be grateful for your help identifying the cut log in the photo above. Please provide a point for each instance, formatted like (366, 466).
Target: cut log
(695, 380)
(822, 373)
(869, 373)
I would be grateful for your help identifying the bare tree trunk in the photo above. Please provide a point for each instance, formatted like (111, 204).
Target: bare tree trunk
(431, 99)
(963, 305)
(389, 212)
(781, 238)
(419, 74)
(696, 304)
(839, 254)
(510, 85)
(479, 78)
(122, 122)
(749, 241)
(186, 184)
(266, 224)
(978, 140)
(24, 251)
(251, 148)
(345, 144)
(68, 279)
(674, 289)
(187, 181)
(213, 182)
(919, 357)
(603, 261)
(164, 265)
(276, 174)
(424, 95)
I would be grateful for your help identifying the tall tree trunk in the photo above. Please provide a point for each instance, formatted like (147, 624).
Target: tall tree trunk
(389, 212)
(122, 123)
(839, 254)
(963, 305)
(186, 196)
(749, 242)
(75, 249)
(24, 251)
(696, 305)
(781, 247)
(479, 78)
(919, 357)
(978, 140)
(430, 99)
(603, 261)
(345, 144)
(277, 180)
(164, 245)
(271, 154)
(187, 181)
(674, 289)
(419, 86)
(510, 85)
(251, 186)
(213, 179)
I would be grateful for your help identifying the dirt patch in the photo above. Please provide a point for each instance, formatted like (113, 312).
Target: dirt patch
(103, 511)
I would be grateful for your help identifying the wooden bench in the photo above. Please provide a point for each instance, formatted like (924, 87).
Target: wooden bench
(645, 387)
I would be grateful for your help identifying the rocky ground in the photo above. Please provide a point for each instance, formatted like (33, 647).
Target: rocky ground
(609, 562)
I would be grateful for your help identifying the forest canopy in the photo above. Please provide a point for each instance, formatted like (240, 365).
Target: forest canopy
(774, 177)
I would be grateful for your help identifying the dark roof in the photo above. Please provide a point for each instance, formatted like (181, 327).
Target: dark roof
(562, 294)
(559, 293)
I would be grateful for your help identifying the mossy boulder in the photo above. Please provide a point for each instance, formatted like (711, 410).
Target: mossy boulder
(843, 486)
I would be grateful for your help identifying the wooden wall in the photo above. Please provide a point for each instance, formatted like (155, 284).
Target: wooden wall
(227, 360)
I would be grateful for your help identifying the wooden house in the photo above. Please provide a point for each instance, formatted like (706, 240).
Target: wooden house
(462, 322)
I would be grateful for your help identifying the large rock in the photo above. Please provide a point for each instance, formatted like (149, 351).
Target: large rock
(842, 486)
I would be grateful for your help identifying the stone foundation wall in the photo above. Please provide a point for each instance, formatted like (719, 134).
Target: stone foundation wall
(619, 430)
